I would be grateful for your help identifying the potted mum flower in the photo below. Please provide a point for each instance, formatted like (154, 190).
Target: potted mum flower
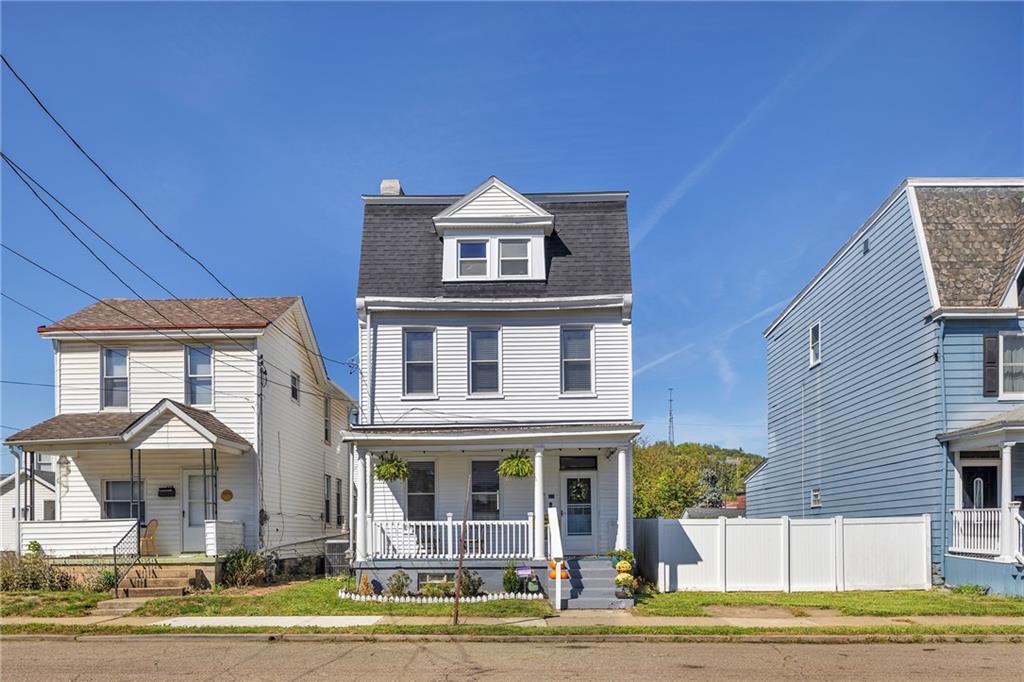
(625, 583)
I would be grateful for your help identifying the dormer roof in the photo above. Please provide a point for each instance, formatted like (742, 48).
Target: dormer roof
(493, 204)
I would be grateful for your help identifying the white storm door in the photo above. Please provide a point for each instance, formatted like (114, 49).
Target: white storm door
(193, 512)
(579, 512)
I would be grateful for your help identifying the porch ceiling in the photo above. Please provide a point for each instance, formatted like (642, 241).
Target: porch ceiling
(118, 429)
(552, 435)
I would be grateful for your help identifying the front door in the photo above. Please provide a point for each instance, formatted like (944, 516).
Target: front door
(579, 512)
(193, 512)
(980, 487)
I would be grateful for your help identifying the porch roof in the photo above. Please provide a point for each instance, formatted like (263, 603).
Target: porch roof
(1010, 420)
(553, 433)
(117, 428)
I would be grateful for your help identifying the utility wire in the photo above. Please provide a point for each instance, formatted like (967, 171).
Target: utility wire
(25, 383)
(152, 222)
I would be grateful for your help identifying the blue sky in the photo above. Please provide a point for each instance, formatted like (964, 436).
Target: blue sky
(754, 139)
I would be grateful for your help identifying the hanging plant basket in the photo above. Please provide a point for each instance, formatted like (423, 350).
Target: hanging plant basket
(516, 466)
(391, 468)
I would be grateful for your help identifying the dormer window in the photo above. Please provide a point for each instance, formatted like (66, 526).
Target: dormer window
(472, 258)
(514, 256)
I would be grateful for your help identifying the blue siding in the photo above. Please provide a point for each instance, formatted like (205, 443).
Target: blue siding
(862, 424)
(965, 403)
(1001, 578)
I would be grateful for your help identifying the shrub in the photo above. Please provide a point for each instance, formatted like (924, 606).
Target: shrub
(470, 583)
(623, 567)
(517, 465)
(391, 468)
(365, 588)
(243, 567)
(509, 580)
(104, 581)
(398, 584)
(34, 548)
(970, 590)
(33, 572)
(623, 555)
(444, 588)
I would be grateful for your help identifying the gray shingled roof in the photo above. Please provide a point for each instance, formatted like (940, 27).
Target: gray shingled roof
(130, 313)
(975, 241)
(588, 254)
(1011, 419)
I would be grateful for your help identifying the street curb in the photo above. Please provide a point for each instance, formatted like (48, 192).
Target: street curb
(530, 639)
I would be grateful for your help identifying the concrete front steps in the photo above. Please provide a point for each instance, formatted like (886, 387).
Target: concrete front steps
(153, 580)
(591, 585)
(118, 607)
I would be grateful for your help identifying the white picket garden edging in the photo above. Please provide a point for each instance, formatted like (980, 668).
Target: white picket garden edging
(413, 599)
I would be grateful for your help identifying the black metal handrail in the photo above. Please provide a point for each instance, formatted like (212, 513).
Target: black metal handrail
(126, 555)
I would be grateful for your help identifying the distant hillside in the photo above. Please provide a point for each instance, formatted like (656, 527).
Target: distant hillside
(667, 479)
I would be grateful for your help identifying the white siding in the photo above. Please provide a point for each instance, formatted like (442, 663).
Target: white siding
(79, 365)
(493, 202)
(295, 457)
(8, 510)
(530, 369)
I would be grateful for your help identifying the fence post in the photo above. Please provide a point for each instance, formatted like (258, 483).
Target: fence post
(721, 554)
(927, 520)
(784, 529)
(450, 535)
(840, 557)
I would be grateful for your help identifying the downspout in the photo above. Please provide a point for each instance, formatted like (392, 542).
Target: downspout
(945, 446)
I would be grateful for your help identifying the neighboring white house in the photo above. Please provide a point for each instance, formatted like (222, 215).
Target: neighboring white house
(213, 417)
(14, 495)
(493, 324)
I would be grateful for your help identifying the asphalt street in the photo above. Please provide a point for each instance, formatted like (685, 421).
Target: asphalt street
(231, 659)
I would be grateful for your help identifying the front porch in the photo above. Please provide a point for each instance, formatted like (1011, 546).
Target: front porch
(986, 538)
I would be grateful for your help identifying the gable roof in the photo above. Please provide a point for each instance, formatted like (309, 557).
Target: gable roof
(45, 477)
(975, 237)
(115, 314)
(587, 254)
(495, 199)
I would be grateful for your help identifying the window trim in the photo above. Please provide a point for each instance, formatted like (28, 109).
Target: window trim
(813, 361)
(815, 501)
(127, 376)
(339, 489)
(1004, 395)
(327, 499)
(483, 395)
(188, 378)
(420, 396)
(295, 386)
(960, 462)
(104, 500)
(433, 462)
(486, 259)
(592, 393)
(529, 261)
(498, 494)
(328, 422)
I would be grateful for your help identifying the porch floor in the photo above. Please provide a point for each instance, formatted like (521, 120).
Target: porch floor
(168, 560)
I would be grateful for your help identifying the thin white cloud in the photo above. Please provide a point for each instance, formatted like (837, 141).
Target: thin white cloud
(664, 358)
(809, 66)
(724, 368)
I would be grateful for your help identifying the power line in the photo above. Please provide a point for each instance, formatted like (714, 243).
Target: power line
(152, 222)
(12, 428)
(25, 383)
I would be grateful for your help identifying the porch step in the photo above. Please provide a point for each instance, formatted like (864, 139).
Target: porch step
(155, 592)
(167, 582)
(117, 607)
(598, 603)
(591, 585)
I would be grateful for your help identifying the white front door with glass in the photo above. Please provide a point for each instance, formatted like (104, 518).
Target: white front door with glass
(579, 506)
(193, 512)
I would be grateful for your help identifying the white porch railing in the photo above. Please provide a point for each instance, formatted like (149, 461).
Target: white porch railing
(440, 539)
(75, 538)
(977, 531)
(1018, 526)
(223, 536)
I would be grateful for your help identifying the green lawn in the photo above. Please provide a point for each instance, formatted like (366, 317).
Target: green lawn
(898, 603)
(320, 597)
(49, 604)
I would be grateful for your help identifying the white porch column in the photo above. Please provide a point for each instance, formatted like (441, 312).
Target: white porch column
(360, 478)
(1009, 540)
(622, 498)
(538, 503)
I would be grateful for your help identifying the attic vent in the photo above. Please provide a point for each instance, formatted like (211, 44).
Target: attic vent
(867, 245)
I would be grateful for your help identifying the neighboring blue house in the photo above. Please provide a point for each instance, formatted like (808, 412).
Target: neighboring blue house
(896, 379)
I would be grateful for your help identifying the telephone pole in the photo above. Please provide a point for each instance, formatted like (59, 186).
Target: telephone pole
(671, 424)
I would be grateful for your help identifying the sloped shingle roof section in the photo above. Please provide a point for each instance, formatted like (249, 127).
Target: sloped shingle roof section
(194, 313)
(975, 240)
(587, 254)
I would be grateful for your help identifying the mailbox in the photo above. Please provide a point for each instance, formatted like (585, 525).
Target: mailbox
(165, 491)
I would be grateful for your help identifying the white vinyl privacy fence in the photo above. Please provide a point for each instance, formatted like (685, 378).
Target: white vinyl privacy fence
(819, 554)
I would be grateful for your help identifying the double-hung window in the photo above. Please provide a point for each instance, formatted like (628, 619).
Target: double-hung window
(420, 495)
(115, 377)
(472, 258)
(199, 371)
(296, 387)
(483, 361)
(1011, 369)
(327, 499)
(577, 360)
(338, 517)
(485, 490)
(814, 344)
(327, 419)
(514, 258)
(118, 498)
(418, 361)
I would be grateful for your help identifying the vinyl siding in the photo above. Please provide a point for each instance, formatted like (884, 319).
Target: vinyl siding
(493, 202)
(294, 455)
(860, 426)
(9, 505)
(965, 401)
(530, 370)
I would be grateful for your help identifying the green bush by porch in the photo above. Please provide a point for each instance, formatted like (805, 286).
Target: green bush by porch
(897, 603)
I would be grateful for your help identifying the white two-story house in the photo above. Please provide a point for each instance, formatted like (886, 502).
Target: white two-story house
(492, 325)
(196, 426)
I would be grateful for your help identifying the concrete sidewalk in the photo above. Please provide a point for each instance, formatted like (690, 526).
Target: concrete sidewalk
(774, 618)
